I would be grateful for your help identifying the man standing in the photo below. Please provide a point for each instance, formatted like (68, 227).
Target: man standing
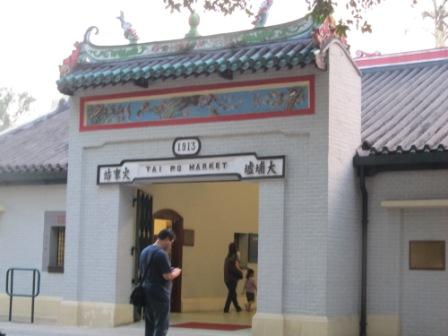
(158, 283)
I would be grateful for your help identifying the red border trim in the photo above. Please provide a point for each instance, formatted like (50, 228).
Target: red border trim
(419, 56)
(180, 121)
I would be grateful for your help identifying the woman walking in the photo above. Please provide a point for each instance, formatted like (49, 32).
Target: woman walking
(232, 273)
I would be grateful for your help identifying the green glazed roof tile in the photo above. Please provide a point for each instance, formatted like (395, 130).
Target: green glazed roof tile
(278, 46)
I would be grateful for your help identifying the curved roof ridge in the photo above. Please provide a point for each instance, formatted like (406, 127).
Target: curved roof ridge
(297, 29)
(403, 58)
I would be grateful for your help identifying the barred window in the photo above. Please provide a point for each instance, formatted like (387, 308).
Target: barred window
(54, 242)
(60, 231)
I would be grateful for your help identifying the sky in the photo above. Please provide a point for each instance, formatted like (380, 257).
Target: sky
(36, 36)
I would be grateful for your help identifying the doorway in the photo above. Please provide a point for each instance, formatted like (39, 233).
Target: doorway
(143, 236)
(206, 217)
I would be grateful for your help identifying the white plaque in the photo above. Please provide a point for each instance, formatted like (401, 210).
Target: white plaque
(233, 166)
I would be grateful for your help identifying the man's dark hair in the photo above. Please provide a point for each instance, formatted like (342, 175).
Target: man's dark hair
(166, 233)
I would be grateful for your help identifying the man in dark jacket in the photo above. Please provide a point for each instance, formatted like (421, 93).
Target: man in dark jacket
(158, 283)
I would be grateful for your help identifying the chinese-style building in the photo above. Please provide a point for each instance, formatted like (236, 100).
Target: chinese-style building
(327, 172)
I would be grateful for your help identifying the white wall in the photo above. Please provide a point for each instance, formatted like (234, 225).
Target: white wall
(22, 231)
(390, 284)
(344, 219)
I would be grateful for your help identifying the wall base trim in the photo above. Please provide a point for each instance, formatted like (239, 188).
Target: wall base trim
(304, 325)
(383, 325)
(70, 313)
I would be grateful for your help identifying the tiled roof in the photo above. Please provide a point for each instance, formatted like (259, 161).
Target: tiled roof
(40, 146)
(279, 46)
(405, 103)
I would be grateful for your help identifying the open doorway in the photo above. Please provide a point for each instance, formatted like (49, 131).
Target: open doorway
(206, 217)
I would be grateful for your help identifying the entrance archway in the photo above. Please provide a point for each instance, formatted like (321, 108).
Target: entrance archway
(167, 218)
(213, 214)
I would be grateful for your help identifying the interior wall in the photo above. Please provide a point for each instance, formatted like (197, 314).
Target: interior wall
(215, 211)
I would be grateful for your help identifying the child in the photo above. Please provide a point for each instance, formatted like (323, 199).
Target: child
(250, 288)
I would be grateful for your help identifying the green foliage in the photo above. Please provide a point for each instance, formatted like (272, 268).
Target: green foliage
(224, 6)
(12, 105)
(320, 9)
(439, 15)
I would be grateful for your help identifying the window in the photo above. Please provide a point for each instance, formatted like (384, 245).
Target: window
(57, 244)
(54, 242)
(248, 246)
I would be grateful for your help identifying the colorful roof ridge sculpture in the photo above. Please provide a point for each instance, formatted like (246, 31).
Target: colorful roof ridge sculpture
(129, 33)
(193, 21)
(262, 15)
(289, 44)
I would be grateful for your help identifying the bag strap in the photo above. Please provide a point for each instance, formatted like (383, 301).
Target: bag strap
(142, 278)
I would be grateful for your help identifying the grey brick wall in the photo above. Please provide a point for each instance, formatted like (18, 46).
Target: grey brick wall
(423, 294)
(392, 288)
(344, 220)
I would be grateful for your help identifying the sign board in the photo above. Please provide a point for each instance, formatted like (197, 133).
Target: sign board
(186, 146)
(232, 166)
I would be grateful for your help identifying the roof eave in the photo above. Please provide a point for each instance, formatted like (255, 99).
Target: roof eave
(33, 178)
(374, 164)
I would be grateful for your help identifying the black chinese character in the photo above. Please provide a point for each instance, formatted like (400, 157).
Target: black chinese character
(117, 173)
(260, 168)
(126, 174)
(107, 175)
(249, 169)
(272, 168)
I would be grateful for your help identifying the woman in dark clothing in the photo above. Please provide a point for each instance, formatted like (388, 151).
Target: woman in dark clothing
(232, 273)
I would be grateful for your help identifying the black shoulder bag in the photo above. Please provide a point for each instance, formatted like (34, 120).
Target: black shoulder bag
(138, 293)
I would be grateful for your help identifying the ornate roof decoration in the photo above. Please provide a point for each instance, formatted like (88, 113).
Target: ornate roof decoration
(284, 45)
(193, 21)
(96, 54)
(70, 62)
(326, 32)
(129, 33)
(262, 15)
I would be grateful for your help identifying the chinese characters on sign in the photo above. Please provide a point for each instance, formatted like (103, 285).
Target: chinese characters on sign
(239, 166)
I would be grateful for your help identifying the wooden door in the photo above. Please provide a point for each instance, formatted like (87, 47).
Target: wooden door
(143, 235)
(177, 226)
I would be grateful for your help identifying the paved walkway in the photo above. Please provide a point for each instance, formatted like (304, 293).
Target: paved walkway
(41, 328)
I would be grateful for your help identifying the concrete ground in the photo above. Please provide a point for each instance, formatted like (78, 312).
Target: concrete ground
(46, 328)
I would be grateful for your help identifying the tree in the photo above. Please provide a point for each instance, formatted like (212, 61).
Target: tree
(439, 15)
(13, 105)
(320, 9)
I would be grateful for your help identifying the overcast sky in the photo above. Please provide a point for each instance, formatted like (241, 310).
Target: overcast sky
(37, 35)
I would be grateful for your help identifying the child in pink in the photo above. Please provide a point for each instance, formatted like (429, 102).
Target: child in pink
(250, 288)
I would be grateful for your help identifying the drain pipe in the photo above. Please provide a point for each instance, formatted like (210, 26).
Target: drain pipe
(364, 196)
